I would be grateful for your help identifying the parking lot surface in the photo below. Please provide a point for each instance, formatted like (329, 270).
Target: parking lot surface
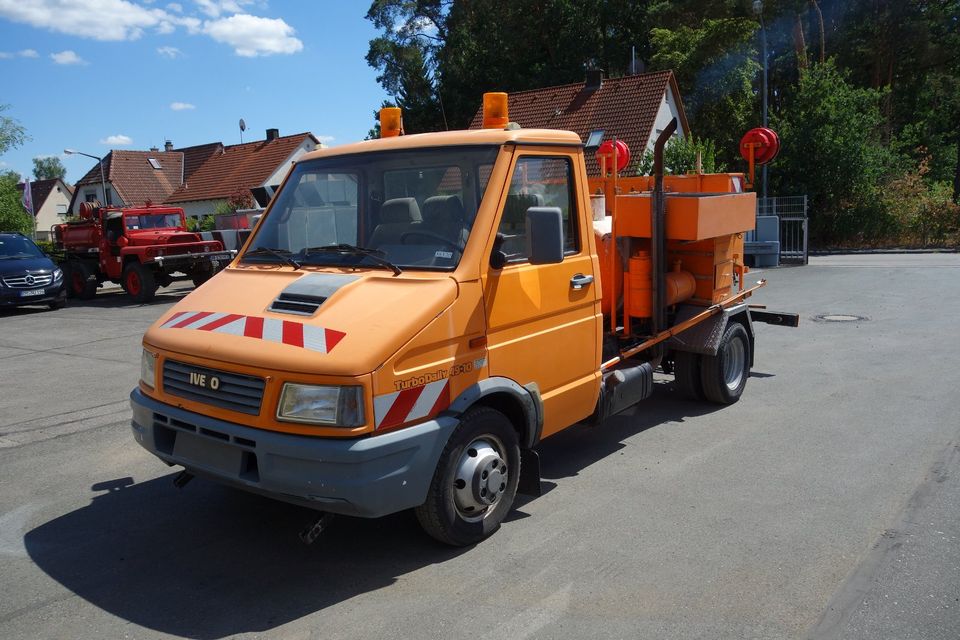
(824, 504)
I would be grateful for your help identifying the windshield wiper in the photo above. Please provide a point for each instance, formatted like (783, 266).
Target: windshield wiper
(282, 254)
(351, 250)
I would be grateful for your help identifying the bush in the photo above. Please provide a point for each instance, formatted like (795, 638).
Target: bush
(204, 223)
(680, 157)
(921, 213)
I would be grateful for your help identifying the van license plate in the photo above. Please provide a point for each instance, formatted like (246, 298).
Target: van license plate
(35, 292)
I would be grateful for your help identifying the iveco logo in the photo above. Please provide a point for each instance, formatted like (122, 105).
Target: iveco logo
(204, 381)
(29, 279)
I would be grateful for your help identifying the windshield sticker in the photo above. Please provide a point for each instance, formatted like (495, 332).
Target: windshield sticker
(286, 332)
(443, 254)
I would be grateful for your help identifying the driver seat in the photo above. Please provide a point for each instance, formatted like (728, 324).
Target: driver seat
(397, 216)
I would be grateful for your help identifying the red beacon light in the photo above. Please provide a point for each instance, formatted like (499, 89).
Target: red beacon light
(609, 150)
(759, 146)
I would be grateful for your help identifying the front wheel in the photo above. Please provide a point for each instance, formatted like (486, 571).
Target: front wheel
(81, 281)
(139, 282)
(724, 375)
(475, 482)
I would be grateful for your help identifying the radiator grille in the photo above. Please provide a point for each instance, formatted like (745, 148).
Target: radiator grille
(29, 281)
(234, 391)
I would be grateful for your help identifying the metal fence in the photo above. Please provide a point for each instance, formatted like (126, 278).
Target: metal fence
(794, 225)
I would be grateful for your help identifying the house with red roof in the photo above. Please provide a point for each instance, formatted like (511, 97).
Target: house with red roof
(195, 178)
(51, 199)
(634, 108)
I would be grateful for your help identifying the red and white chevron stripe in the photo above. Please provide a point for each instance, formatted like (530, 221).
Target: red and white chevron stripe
(295, 334)
(408, 405)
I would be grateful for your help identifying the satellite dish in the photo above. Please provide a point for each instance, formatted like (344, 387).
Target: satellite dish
(243, 125)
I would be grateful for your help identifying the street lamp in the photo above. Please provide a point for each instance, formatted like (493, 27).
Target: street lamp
(758, 9)
(103, 183)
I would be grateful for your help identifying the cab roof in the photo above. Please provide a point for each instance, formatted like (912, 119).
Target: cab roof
(452, 138)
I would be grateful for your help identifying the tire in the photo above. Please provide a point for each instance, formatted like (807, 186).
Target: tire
(199, 276)
(724, 376)
(81, 282)
(686, 375)
(461, 508)
(139, 282)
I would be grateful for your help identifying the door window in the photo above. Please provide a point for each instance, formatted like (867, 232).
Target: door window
(538, 181)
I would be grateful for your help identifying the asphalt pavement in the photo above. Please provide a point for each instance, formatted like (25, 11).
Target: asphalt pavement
(825, 504)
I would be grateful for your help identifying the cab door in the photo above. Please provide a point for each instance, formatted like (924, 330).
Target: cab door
(544, 323)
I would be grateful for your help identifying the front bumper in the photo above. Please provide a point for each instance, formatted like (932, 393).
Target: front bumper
(10, 297)
(192, 259)
(368, 477)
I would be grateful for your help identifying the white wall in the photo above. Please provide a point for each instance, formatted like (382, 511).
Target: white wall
(95, 189)
(668, 110)
(53, 211)
(277, 176)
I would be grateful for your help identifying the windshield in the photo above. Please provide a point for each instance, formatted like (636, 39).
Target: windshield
(412, 208)
(152, 221)
(18, 247)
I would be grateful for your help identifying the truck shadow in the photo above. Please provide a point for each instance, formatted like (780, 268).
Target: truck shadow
(210, 562)
(570, 451)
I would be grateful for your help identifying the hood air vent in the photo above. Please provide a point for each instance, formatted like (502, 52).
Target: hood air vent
(305, 296)
(293, 303)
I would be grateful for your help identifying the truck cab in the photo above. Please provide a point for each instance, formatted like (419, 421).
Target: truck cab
(409, 318)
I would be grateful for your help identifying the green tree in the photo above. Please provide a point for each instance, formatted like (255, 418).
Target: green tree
(680, 157)
(13, 217)
(832, 152)
(48, 168)
(12, 133)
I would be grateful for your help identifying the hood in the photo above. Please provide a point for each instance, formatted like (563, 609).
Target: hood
(141, 238)
(324, 323)
(13, 266)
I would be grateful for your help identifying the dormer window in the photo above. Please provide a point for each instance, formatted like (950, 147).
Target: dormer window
(154, 163)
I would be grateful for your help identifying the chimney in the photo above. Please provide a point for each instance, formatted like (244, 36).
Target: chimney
(168, 146)
(594, 78)
(154, 149)
(272, 134)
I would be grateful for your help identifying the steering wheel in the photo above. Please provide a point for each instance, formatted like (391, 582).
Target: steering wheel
(431, 235)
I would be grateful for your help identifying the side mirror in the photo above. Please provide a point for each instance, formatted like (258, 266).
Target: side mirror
(544, 230)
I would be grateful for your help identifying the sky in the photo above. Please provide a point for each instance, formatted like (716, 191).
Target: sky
(96, 75)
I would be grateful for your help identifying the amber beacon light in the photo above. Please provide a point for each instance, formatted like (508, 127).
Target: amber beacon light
(495, 113)
(391, 122)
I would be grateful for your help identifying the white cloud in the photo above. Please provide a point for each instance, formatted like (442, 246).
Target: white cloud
(325, 139)
(97, 19)
(214, 8)
(169, 52)
(118, 140)
(5, 55)
(182, 106)
(67, 57)
(28, 53)
(175, 7)
(252, 36)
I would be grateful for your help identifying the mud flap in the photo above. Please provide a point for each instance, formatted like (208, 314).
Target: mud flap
(529, 484)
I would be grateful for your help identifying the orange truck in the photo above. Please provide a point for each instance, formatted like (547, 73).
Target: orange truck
(412, 315)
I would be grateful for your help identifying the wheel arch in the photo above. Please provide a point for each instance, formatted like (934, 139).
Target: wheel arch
(520, 404)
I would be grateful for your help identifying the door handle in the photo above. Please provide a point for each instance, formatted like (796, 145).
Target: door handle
(579, 281)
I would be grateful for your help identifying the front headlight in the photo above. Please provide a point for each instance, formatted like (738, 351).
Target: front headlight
(313, 404)
(148, 369)
(57, 275)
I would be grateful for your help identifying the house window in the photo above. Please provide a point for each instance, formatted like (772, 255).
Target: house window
(90, 196)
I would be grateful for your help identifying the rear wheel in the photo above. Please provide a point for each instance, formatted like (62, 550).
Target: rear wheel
(724, 375)
(201, 275)
(81, 282)
(686, 375)
(139, 282)
(475, 482)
